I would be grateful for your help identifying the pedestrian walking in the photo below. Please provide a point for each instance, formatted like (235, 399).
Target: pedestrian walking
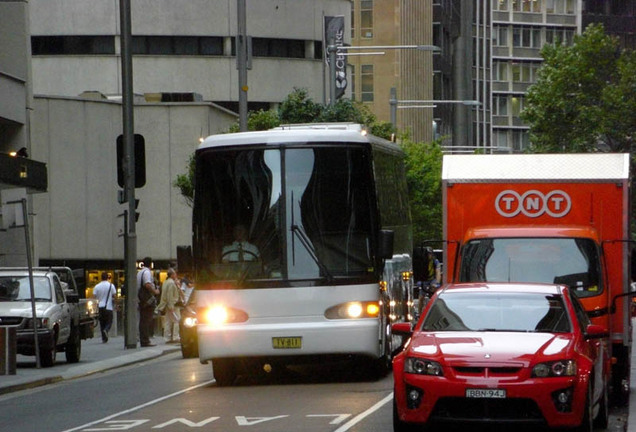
(105, 292)
(146, 294)
(170, 296)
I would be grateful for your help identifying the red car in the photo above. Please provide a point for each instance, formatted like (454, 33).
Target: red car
(513, 353)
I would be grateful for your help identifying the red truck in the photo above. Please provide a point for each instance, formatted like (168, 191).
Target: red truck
(552, 218)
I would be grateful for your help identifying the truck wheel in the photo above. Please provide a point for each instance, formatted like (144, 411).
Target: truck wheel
(47, 355)
(73, 346)
(224, 372)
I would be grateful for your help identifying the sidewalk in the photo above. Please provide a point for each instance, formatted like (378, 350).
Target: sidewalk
(96, 357)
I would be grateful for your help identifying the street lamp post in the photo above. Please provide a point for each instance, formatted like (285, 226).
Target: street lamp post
(332, 49)
(394, 104)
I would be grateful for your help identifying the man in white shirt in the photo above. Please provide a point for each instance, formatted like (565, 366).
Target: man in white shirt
(105, 293)
(240, 250)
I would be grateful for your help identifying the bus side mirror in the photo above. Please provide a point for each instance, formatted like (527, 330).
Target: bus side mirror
(385, 247)
(184, 259)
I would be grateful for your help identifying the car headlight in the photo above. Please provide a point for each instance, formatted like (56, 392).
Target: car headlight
(422, 366)
(369, 309)
(39, 322)
(217, 315)
(190, 322)
(557, 368)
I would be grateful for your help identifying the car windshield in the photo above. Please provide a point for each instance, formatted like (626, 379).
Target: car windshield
(496, 311)
(569, 261)
(17, 288)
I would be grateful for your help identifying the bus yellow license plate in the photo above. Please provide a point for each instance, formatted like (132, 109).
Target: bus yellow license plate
(287, 342)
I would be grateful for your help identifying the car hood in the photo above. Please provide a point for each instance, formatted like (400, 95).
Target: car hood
(475, 347)
(22, 308)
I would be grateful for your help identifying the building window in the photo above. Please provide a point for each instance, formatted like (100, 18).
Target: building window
(366, 19)
(366, 84)
(501, 5)
(72, 45)
(516, 103)
(500, 36)
(353, 81)
(520, 140)
(561, 7)
(501, 139)
(526, 37)
(353, 23)
(500, 105)
(500, 71)
(559, 36)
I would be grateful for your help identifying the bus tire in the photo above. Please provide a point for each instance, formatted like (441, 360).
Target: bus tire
(224, 372)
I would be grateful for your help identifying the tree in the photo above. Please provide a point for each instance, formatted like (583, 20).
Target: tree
(299, 108)
(581, 100)
(424, 179)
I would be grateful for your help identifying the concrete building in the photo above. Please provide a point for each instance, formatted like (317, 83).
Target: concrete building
(181, 47)
(410, 72)
(79, 221)
(617, 16)
(19, 176)
(183, 62)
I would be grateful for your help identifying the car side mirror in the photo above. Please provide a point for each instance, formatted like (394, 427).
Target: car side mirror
(595, 331)
(385, 246)
(402, 329)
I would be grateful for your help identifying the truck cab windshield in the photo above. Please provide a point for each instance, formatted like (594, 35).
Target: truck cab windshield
(569, 261)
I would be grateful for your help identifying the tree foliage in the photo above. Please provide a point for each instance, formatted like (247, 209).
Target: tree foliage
(584, 97)
(424, 178)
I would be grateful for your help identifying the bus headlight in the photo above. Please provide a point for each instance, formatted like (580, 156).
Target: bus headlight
(217, 315)
(352, 310)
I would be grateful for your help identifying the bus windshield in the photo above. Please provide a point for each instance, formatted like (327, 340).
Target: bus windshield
(569, 261)
(281, 214)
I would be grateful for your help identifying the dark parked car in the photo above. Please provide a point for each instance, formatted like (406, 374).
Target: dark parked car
(188, 329)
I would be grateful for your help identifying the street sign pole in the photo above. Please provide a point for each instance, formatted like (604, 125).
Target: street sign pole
(130, 242)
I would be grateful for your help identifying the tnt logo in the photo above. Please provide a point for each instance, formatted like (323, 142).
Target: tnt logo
(533, 203)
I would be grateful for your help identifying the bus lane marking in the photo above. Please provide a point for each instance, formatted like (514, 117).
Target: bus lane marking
(339, 418)
(357, 419)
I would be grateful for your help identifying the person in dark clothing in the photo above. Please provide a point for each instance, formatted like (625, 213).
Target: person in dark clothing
(146, 292)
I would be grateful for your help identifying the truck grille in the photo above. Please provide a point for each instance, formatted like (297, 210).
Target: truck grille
(10, 321)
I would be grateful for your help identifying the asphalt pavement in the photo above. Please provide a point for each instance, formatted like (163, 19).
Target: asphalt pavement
(96, 357)
(99, 357)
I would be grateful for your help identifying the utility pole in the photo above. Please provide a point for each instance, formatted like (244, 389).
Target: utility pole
(241, 62)
(130, 235)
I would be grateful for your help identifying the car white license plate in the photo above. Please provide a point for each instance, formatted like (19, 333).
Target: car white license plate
(486, 393)
(287, 342)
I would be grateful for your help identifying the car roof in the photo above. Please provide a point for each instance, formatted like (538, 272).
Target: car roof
(504, 287)
(21, 272)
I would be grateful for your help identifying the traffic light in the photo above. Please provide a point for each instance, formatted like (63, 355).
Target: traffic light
(140, 161)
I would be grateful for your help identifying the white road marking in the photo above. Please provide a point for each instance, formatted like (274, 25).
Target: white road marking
(133, 409)
(361, 416)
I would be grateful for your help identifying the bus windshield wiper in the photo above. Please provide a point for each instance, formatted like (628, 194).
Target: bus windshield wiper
(312, 252)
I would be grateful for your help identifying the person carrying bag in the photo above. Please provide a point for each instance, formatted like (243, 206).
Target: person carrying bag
(105, 292)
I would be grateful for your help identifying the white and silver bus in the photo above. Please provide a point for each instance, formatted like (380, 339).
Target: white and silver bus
(325, 263)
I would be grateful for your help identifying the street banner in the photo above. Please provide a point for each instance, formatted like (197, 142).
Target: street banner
(334, 33)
